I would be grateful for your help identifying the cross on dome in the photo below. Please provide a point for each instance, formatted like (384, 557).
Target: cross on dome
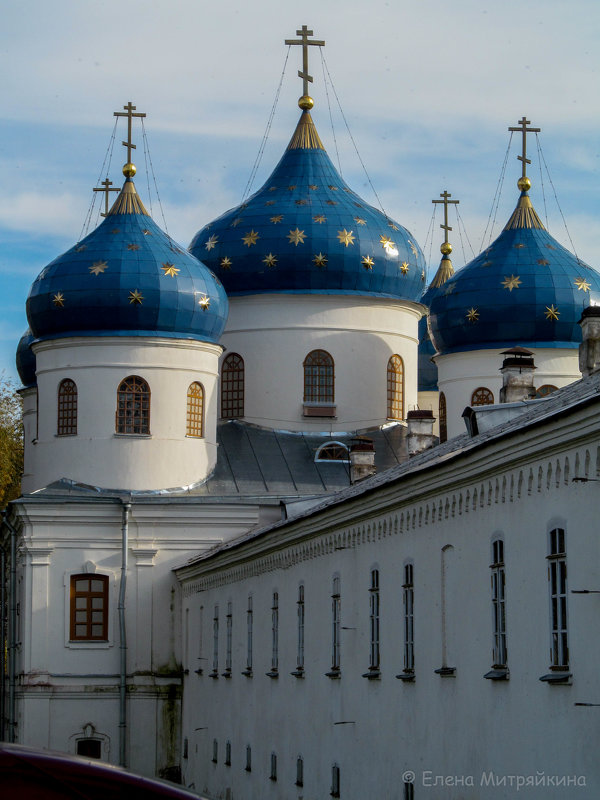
(305, 101)
(129, 170)
(446, 247)
(104, 187)
(522, 126)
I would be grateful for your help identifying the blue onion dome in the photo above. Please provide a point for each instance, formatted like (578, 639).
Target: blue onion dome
(427, 370)
(524, 289)
(25, 358)
(306, 231)
(127, 278)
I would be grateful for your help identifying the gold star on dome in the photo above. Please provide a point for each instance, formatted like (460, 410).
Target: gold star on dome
(519, 246)
(386, 243)
(394, 227)
(332, 202)
(582, 284)
(320, 260)
(211, 242)
(291, 188)
(133, 246)
(170, 269)
(276, 219)
(296, 237)
(236, 222)
(551, 313)
(513, 282)
(59, 300)
(345, 237)
(472, 315)
(413, 248)
(270, 203)
(367, 262)
(320, 218)
(135, 298)
(301, 202)
(225, 263)
(98, 267)
(333, 188)
(250, 238)
(544, 262)
(313, 187)
(81, 248)
(360, 221)
(204, 302)
(404, 268)
(146, 232)
(270, 260)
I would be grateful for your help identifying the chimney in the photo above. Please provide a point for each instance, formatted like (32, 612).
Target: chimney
(362, 459)
(420, 430)
(589, 349)
(517, 375)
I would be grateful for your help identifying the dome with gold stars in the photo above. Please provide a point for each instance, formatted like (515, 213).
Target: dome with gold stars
(127, 278)
(305, 231)
(25, 359)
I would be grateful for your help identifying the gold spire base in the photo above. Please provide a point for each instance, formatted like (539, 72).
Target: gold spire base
(305, 136)
(524, 216)
(128, 202)
(444, 273)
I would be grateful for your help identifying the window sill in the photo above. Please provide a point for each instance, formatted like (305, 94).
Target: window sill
(63, 435)
(86, 644)
(446, 672)
(247, 673)
(191, 436)
(334, 673)
(214, 675)
(199, 671)
(407, 676)
(272, 674)
(132, 435)
(558, 677)
(319, 410)
(226, 674)
(374, 674)
(298, 673)
(497, 674)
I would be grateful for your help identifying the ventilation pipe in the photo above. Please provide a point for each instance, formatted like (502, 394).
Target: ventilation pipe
(517, 375)
(362, 459)
(420, 430)
(589, 349)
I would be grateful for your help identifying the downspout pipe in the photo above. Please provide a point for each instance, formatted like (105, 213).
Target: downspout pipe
(123, 638)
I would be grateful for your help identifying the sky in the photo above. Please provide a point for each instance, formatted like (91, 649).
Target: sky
(428, 89)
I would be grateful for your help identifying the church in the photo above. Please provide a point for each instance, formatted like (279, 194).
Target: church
(296, 524)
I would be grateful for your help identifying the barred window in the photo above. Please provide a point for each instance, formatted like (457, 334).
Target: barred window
(557, 584)
(335, 781)
(408, 590)
(318, 377)
(545, 390)
(498, 603)
(336, 625)
(89, 607)
(443, 418)
(299, 771)
(133, 406)
(300, 607)
(374, 620)
(195, 410)
(67, 408)
(273, 775)
(232, 387)
(395, 388)
(482, 397)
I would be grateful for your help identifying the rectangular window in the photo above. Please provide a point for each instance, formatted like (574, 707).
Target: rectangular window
(229, 623)
(228, 753)
(248, 766)
(215, 755)
(374, 620)
(408, 591)
(335, 781)
(557, 581)
(300, 654)
(299, 771)
(409, 790)
(275, 634)
(249, 634)
(336, 625)
(215, 668)
(498, 604)
(89, 607)
(273, 775)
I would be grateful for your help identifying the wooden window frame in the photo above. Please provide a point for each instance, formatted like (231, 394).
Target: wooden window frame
(557, 586)
(319, 377)
(232, 386)
(132, 416)
(374, 622)
(498, 584)
(482, 396)
(89, 595)
(395, 387)
(195, 410)
(66, 422)
(408, 592)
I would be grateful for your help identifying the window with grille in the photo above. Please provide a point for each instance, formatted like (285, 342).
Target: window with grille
(273, 775)
(232, 387)
(336, 625)
(374, 602)
(215, 667)
(482, 397)
(498, 603)
(395, 388)
(67, 408)
(557, 582)
(249, 636)
(408, 591)
(443, 419)
(335, 781)
(333, 451)
(228, 633)
(299, 771)
(545, 390)
(195, 410)
(228, 753)
(89, 608)
(300, 608)
(274, 636)
(318, 377)
(133, 406)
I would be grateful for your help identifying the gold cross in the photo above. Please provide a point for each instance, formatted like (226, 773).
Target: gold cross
(305, 33)
(105, 188)
(523, 123)
(129, 109)
(445, 200)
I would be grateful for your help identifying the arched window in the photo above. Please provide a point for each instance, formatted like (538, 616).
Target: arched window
(545, 390)
(232, 387)
(332, 451)
(195, 410)
(482, 397)
(395, 388)
(89, 607)
(318, 377)
(133, 406)
(67, 408)
(443, 418)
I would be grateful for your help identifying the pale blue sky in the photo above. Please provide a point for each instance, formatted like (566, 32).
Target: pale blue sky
(428, 87)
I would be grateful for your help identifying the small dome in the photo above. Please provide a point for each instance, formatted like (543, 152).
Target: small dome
(127, 278)
(25, 358)
(306, 231)
(525, 289)
(427, 370)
